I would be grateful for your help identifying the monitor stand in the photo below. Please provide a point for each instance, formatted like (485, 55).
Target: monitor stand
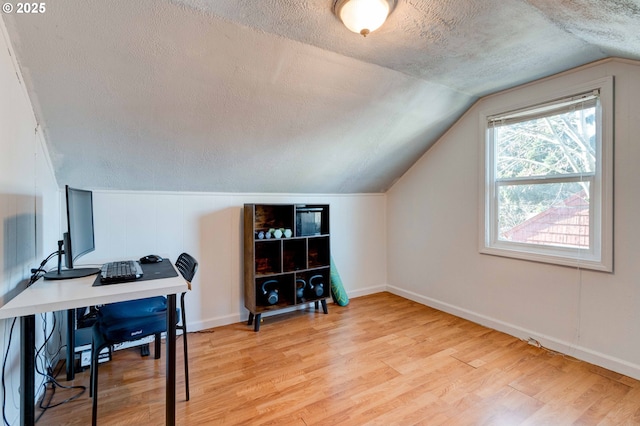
(68, 274)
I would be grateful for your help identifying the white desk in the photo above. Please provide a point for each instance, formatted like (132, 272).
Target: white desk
(49, 296)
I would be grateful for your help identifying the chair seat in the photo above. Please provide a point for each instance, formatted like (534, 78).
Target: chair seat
(132, 308)
(132, 320)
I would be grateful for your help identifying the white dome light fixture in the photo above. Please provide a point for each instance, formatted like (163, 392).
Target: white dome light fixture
(363, 16)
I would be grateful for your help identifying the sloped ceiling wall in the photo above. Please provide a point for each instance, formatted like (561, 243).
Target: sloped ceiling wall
(278, 96)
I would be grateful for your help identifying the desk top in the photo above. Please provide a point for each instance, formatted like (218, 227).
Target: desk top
(51, 295)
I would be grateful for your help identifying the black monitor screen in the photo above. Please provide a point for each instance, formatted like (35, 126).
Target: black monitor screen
(79, 239)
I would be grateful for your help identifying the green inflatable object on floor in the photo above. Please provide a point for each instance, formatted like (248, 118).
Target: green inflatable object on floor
(337, 290)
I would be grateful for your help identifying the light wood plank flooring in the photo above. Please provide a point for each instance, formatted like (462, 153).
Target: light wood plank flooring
(382, 360)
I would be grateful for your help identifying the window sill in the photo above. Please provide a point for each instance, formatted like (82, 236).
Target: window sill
(554, 257)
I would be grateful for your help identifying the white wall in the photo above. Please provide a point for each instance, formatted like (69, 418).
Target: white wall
(29, 207)
(433, 242)
(209, 226)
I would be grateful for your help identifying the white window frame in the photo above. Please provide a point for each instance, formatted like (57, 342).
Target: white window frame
(599, 256)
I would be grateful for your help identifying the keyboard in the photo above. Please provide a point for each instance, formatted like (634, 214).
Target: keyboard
(120, 271)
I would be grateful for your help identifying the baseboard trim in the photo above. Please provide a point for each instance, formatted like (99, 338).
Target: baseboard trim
(367, 291)
(242, 317)
(585, 354)
(214, 322)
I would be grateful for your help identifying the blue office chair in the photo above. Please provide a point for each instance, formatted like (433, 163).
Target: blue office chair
(135, 319)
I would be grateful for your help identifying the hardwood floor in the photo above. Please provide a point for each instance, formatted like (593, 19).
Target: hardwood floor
(381, 360)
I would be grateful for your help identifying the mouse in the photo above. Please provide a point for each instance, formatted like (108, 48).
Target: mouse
(151, 258)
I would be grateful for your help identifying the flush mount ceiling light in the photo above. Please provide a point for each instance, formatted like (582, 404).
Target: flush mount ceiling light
(363, 16)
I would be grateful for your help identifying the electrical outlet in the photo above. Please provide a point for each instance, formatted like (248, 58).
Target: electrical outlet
(85, 359)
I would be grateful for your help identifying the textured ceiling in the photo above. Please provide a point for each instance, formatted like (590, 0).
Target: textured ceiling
(277, 95)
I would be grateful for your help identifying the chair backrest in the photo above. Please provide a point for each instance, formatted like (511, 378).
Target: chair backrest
(187, 265)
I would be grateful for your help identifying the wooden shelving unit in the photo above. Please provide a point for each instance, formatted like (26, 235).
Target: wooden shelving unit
(287, 258)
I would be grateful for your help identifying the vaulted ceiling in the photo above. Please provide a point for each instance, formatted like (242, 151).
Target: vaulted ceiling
(277, 95)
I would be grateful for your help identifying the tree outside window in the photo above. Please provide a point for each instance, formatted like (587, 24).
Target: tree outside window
(547, 189)
(559, 153)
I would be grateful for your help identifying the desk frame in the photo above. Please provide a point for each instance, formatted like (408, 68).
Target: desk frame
(49, 296)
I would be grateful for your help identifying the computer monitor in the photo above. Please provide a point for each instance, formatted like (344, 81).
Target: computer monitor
(79, 238)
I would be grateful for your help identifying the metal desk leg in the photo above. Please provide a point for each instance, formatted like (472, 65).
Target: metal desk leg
(27, 369)
(71, 343)
(170, 404)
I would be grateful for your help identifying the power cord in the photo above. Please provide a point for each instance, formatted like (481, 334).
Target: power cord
(535, 343)
(51, 383)
(36, 274)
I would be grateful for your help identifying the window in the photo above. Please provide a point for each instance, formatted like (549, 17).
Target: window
(547, 184)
